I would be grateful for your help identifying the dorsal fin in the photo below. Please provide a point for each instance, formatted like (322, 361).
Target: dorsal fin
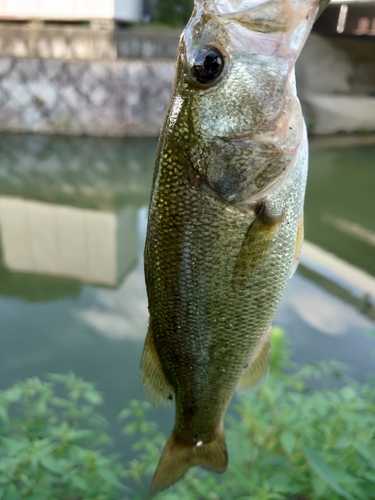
(298, 245)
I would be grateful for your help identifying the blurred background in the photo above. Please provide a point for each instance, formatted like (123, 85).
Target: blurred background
(84, 87)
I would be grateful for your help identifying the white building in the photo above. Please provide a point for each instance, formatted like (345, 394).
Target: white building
(72, 10)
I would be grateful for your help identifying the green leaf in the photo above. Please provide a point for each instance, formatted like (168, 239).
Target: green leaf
(4, 414)
(344, 441)
(125, 413)
(348, 393)
(319, 486)
(270, 458)
(51, 464)
(4, 468)
(44, 449)
(280, 481)
(240, 478)
(318, 464)
(365, 453)
(288, 440)
(370, 475)
(93, 397)
(61, 378)
(109, 476)
(41, 492)
(16, 444)
(11, 493)
(274, 496)
(79, 482)
(13, 394)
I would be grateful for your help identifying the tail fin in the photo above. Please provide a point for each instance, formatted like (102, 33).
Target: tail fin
(176, 459)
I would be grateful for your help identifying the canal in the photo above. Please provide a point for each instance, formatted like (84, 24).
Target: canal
(72, 297)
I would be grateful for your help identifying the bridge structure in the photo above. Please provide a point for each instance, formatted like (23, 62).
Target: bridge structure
(353, 17)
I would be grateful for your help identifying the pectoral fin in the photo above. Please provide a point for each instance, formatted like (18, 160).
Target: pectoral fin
(257, 242)
(258, 366)
(155, 385)
(298, 246)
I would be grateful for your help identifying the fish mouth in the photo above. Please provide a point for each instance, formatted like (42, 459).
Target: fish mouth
(241, 7)
(228, 7)
(263, 16)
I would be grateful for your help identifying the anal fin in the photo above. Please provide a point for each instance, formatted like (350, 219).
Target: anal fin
(258, 366)
(155, 385)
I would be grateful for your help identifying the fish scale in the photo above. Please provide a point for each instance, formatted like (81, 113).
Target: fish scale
(224, 222)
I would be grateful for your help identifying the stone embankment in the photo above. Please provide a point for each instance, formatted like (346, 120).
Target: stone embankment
(336, 83)
(78, 81)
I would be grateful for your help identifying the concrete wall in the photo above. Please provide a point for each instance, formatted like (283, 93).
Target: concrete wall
(104, 98)
(50, 84)
(336, 83)
(83, 44)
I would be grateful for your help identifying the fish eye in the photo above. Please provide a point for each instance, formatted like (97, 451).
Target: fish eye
(207, 65)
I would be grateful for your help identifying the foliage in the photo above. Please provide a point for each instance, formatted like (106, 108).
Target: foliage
(52, 444)
(173, 12)
(285, 441)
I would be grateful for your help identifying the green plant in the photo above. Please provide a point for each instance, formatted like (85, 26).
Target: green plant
(173, 12)
(52, 446)
(285, 441)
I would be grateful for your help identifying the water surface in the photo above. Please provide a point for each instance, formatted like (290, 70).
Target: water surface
(72, 226)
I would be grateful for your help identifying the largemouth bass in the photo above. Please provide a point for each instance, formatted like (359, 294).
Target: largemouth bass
(225, 221)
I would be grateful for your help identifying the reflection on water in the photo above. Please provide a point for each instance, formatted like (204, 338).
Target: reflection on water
(94, 246)
(68, 208)
(86, 172)
(72, 296)
(339, 209)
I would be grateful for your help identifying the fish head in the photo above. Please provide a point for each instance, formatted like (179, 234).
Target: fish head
(235, 81)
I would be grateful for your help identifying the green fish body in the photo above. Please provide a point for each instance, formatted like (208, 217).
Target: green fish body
(225, 219)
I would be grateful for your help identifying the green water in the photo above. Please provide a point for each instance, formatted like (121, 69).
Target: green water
(72, 226)
(339, 207)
